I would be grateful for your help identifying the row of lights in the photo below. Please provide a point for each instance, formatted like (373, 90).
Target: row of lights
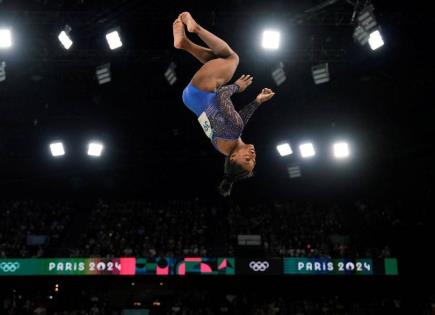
(307, 150)
(366, 31)
(103, 73)
(271, 38)
(113, 38)
(340, 150)
(95, 149)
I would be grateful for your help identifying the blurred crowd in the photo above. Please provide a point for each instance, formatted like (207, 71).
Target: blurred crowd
(145, 229)
(196, 301)
(32, 228)
(196, 228)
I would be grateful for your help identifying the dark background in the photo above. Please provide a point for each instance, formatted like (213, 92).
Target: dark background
(381, 101)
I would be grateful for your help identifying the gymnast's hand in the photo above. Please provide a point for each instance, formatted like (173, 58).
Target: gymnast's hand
(243, 82)
(265, 95)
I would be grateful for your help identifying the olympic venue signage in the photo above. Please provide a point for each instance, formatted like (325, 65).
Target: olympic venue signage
(224, 266)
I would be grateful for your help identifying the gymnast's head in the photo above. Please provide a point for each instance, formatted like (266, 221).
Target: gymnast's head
(239, 164)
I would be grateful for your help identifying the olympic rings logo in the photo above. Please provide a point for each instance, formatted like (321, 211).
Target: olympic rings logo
(9, 266)
(259, 265)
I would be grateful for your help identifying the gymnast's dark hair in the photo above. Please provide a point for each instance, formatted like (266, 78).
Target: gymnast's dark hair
(233, 172)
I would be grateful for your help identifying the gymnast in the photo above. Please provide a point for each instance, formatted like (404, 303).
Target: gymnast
(209, 98)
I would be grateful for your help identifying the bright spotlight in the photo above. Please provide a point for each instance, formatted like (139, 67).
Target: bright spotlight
(284, 149)
(341, 150)
(114, 40)
(57, 149)
(5, 38)
(375, 40)
(95, 149)
(307, 150)
(271, 39)
(367, 29)
(64, 38)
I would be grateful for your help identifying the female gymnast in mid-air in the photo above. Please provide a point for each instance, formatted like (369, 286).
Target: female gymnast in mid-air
(209, 98)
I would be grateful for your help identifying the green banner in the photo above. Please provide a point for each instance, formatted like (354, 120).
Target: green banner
(325, 266)
(67, 266)
(168, 266)
(391, 268)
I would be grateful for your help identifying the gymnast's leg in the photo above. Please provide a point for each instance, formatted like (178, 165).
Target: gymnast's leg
(216, 71)
(182, 42)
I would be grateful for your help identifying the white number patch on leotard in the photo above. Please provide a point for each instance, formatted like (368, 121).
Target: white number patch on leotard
(205, 124)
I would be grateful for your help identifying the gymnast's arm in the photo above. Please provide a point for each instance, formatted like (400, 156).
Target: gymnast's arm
(247, 111)
(225, 92)
(224, 101)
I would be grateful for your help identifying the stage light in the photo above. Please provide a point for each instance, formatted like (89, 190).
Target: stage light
(278, 74)
(2, 71)
(341, 150)
(294, 171)
(307, 150)
(95, 149)
(320, 73)
(113, 39)
(366, 19)
(375, 40)
(367, 29)
(57, 149)
(271, 39)
(5, 38)
(170, 74)
(103, 73)
(64, 37)
(284, 149)
(360, 35)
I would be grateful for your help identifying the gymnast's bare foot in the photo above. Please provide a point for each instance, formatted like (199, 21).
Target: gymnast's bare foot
(191, 24)
(180, 39)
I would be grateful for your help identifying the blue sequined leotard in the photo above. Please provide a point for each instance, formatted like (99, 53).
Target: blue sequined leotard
(216, 112)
